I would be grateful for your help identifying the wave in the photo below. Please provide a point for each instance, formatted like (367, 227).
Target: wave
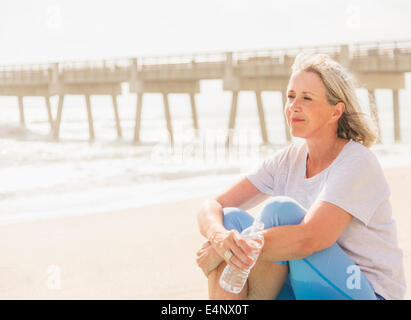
(21, 133)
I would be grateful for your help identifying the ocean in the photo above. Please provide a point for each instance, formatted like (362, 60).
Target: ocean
(41, 178)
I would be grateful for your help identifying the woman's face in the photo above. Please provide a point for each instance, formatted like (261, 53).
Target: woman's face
(307, 110)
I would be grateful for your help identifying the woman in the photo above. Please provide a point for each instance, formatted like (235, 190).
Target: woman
(329, 232)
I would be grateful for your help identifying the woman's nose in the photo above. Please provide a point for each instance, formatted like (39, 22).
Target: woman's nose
(294, 105)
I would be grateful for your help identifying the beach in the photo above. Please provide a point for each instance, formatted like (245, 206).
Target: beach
(142, 253)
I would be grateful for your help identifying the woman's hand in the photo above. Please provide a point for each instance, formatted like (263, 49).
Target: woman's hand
(233, 242)
(207, 258)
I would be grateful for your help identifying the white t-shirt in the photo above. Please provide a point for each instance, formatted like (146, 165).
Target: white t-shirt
(355, 182)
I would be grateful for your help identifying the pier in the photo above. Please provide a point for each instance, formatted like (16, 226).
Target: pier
(379, 65)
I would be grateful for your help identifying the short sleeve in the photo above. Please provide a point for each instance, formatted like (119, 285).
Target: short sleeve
(264, 175)
(357, 185)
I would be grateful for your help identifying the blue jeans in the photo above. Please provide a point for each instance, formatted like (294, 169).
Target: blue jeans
(328, 274)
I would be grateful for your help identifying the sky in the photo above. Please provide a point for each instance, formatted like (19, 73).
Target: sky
(52, 30)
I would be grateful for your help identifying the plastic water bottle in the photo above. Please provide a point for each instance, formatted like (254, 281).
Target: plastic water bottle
(233, 280)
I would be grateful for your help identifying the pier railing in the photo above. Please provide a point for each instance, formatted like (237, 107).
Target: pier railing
(116, 70)
(385, 56)
(15, 75)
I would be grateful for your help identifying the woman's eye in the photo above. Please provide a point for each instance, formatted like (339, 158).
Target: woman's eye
(290, 97)
(307, 98)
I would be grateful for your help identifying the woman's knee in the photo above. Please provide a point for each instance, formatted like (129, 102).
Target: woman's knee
(236, 219)
(282, 210)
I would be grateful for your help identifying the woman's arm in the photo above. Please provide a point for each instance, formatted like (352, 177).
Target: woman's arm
(321, 227)
(242, 195)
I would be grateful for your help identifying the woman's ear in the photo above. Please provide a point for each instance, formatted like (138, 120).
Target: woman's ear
(339, 109)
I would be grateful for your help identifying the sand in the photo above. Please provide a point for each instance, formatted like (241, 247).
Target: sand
(140, 253)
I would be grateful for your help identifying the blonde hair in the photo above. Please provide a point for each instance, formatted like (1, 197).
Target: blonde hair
(340, 87)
